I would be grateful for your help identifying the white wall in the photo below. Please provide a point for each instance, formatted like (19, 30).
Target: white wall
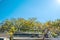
(5, 38)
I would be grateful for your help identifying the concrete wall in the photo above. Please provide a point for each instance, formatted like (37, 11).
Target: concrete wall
(18, 38)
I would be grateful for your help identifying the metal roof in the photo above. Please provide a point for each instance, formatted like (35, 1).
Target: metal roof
(4, 35)
(27, 33)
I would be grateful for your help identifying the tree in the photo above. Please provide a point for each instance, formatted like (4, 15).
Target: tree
(29, 25)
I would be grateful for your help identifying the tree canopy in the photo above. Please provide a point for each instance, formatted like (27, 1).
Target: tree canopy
(29, 25)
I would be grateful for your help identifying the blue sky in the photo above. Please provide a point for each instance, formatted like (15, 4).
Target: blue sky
(43, 10)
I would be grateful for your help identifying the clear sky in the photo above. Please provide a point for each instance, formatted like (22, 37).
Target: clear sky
(43, 10)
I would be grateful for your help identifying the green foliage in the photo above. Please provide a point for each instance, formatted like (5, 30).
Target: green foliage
(29, 25)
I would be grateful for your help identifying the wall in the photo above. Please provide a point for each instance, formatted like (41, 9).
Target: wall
(5, 38)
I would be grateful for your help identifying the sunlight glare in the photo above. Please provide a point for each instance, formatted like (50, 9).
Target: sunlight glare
(58, 1)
